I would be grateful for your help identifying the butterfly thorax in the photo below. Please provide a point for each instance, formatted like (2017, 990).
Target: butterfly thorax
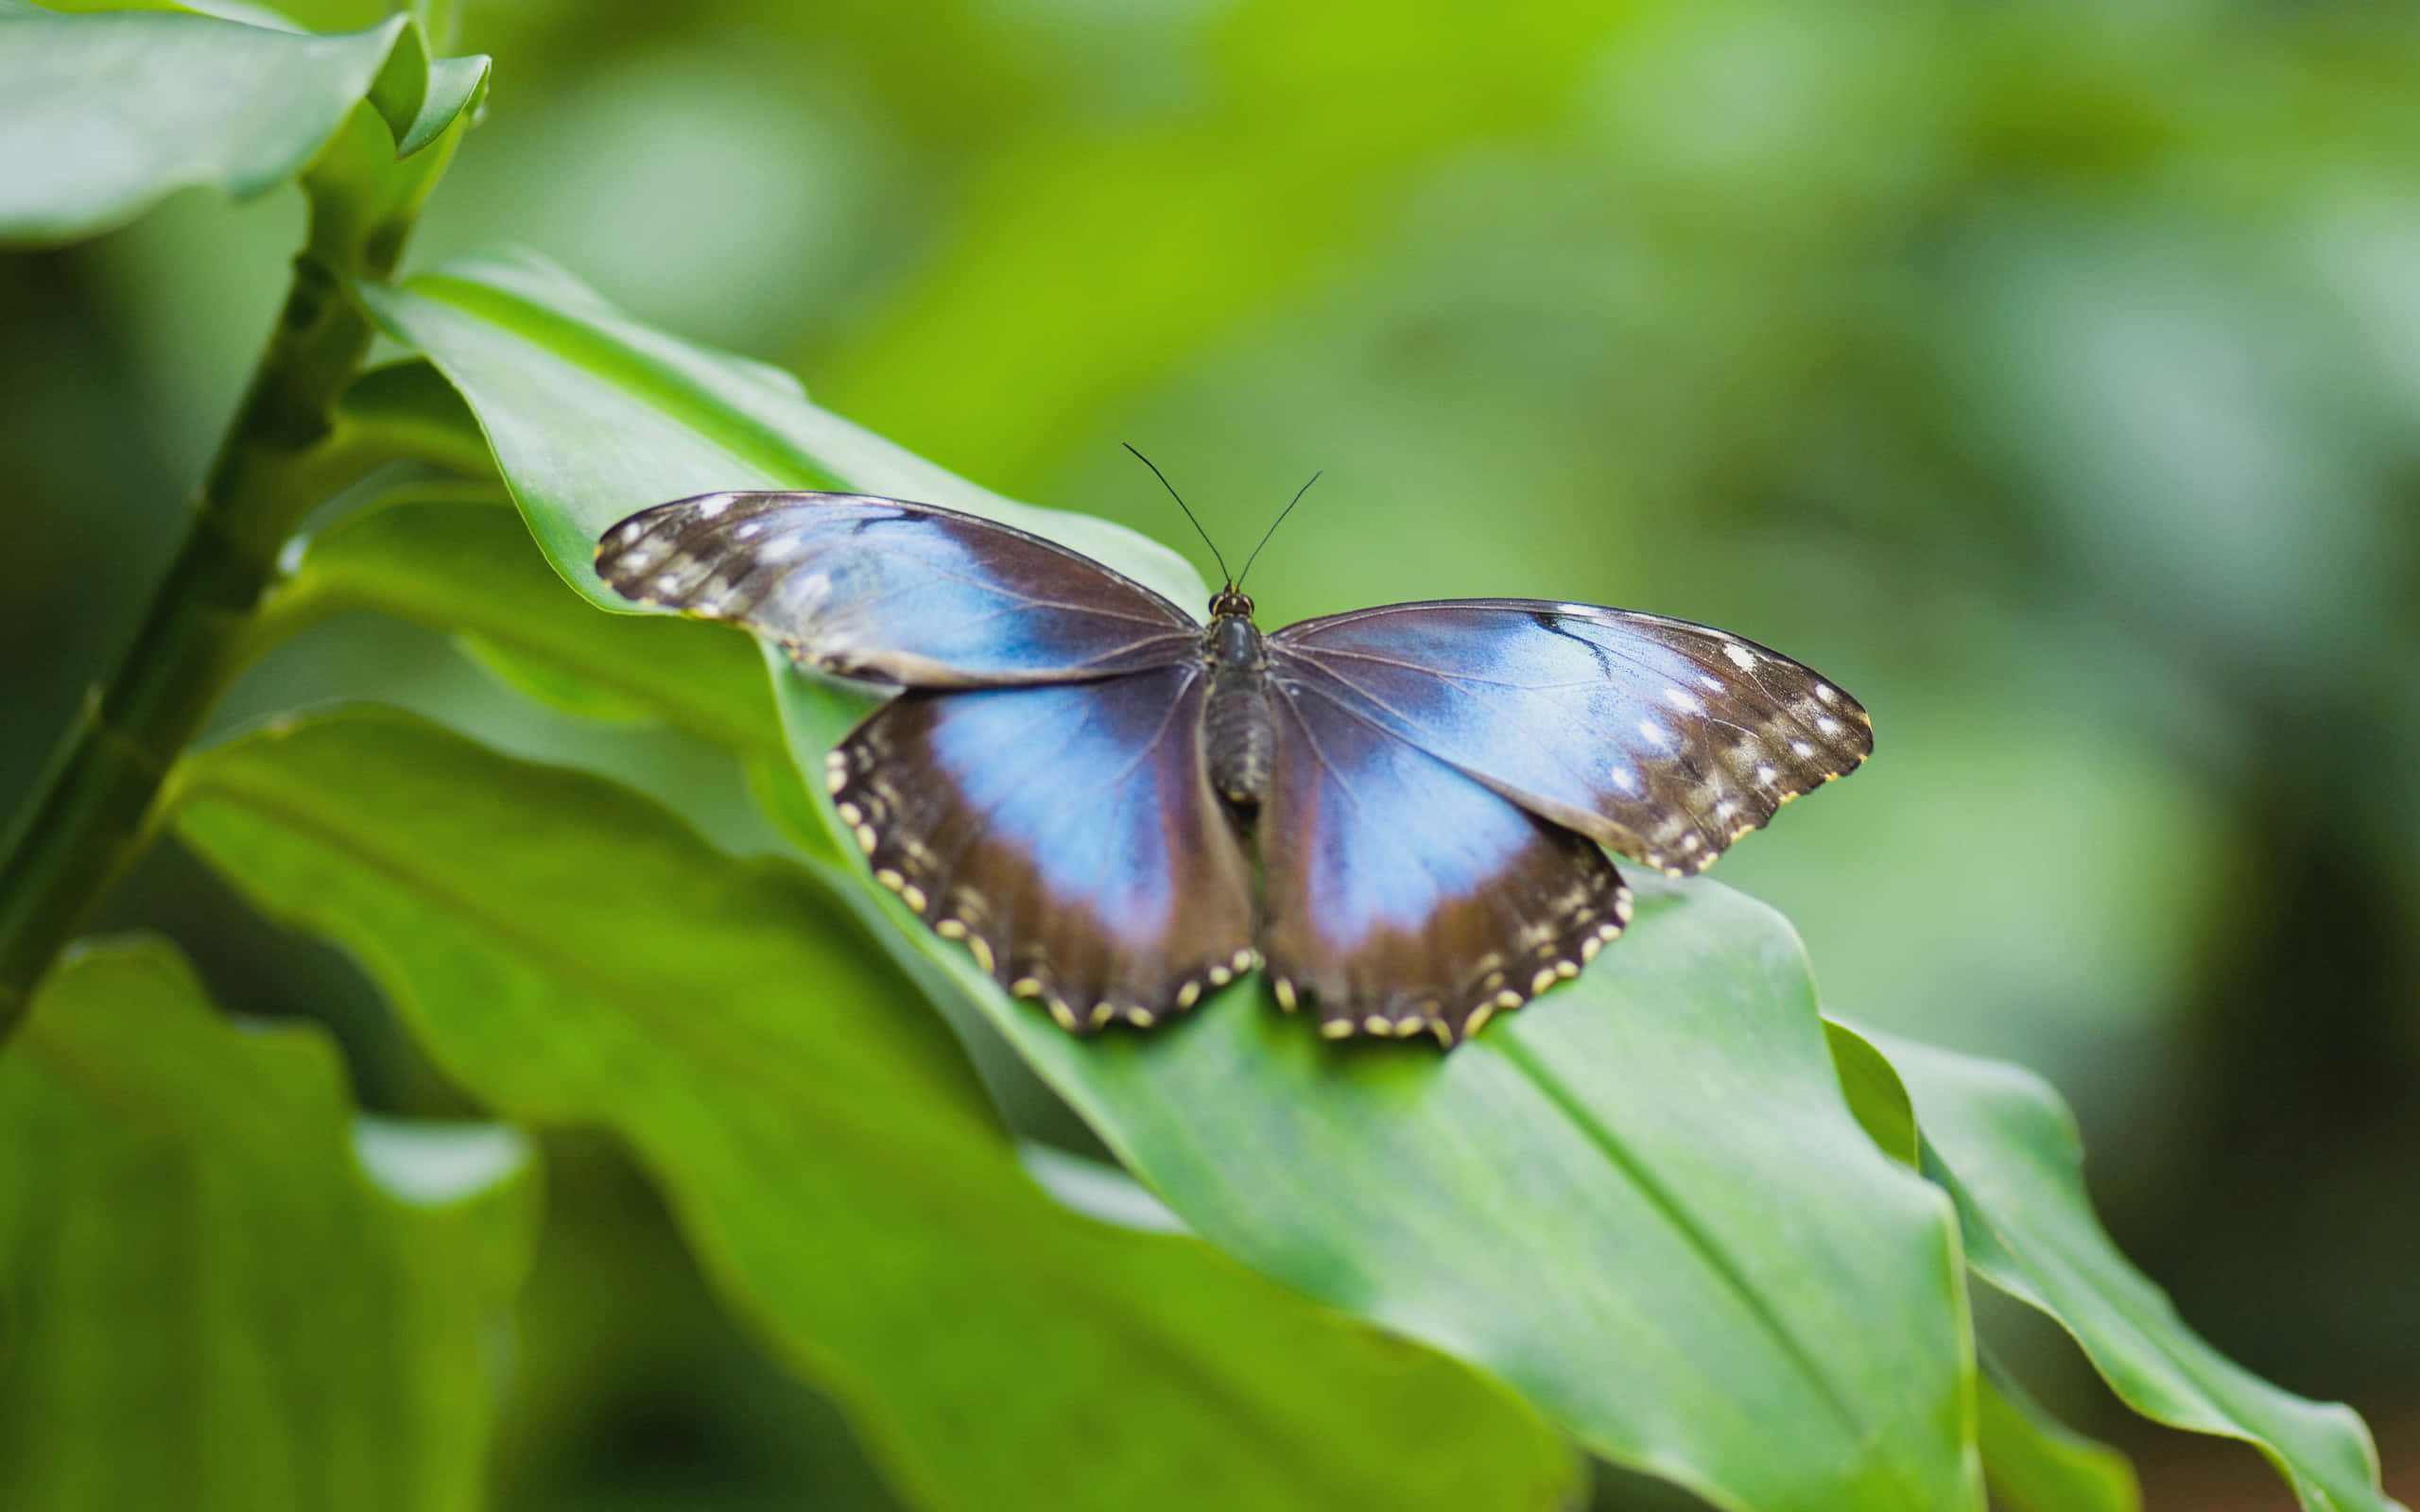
(1237, 738)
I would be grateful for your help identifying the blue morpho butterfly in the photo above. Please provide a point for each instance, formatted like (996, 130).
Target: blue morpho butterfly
(1076, 775)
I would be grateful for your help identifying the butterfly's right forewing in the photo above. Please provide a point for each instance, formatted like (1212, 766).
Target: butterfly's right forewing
(1664, 739)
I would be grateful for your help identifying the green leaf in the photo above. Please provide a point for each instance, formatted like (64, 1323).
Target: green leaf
(2003, 1145)
(546, 683)
(224, 1291)
(367, 185)
(103, 115)
(407, 409)
(469, 568)
(593, 416)
(2034, 1462)
(1641, 1203)
(1644, 1202)
(1873, 1094)
(420, 96)
(572, 955)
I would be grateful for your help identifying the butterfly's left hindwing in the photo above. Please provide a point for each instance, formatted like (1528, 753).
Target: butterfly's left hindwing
(1066, 834)
(1663, 740)
(894, 592)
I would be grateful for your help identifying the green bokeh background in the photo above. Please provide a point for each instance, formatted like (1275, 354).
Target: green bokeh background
(2048, 374)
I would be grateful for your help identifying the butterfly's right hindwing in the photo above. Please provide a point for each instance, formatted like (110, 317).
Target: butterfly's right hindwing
(1407, 898)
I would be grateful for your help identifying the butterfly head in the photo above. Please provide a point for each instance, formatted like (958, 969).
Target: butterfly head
(1228, 604)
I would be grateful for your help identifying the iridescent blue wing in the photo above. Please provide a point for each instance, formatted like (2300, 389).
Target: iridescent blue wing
(894, 592)
(1662, 740)
(1403, 895)
(1067, 834)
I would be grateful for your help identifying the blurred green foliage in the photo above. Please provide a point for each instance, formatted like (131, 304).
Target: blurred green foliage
(249, 1295)
(2045, 372)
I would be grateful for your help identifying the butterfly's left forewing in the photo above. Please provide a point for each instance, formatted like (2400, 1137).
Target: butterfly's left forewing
(1662, 740)
(1038, 791)
(894, 592)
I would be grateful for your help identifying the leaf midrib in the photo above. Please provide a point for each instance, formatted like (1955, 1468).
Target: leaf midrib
(1677, 1215)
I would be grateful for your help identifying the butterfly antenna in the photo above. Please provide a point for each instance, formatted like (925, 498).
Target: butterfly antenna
(1189, 514)
(1275, 523)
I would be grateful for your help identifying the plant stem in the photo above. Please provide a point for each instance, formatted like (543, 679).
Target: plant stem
(93, 812)
(288, 449)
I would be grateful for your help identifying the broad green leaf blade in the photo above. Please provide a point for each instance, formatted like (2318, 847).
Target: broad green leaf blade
(2034, 1462)
(1641, 1203)
(593, 417)
(221, 1290)
(1786, 1322)
(469, 568)
(102, 115)
(2000, 1141)
(1644, 1203)
(572, 955)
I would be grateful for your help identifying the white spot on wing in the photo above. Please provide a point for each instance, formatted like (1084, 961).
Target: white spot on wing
(1682, 700)
(1740, 656)
(785, 548)
(1655, 733)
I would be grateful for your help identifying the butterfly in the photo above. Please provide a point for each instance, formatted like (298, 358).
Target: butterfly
(1402, 814)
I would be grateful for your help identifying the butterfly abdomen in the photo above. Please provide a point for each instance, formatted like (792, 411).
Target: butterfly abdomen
(1237, 738)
